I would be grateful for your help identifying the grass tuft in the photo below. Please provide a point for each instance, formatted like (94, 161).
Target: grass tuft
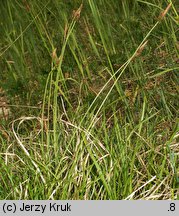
(89, 100)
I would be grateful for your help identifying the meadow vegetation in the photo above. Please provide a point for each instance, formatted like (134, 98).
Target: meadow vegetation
(89, 99)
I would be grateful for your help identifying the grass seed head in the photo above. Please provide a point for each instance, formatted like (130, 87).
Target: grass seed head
(76, 14)
(65, 31)
(163, 14)
(140, 49)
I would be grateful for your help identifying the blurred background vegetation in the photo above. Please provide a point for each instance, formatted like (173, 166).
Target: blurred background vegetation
(104, 37)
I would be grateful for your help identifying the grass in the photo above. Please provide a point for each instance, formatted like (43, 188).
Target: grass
(92, 91)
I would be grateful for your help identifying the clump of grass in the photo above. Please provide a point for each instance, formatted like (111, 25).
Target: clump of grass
(104, 123)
